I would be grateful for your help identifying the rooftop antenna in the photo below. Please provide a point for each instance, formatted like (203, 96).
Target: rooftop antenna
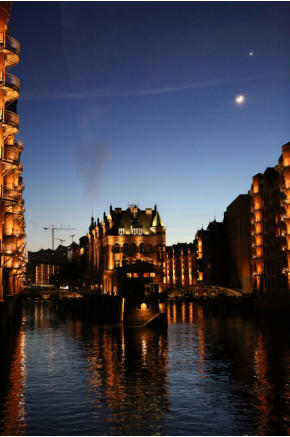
(72, 237)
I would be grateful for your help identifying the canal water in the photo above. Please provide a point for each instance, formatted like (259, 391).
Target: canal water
(210, 373)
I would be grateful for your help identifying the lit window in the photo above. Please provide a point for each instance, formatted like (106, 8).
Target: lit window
(135, 275)
(121, 231)
(129, 275)
(146, 275)
(152, 275)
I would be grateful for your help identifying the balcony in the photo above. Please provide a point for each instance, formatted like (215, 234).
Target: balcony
(10, 191)
(13, 238)
(11, 51)
(9, 163)
(9, 246)
(11, 87)
(10, 123)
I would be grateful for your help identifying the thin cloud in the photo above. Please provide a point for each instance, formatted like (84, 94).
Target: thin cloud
(107, 92)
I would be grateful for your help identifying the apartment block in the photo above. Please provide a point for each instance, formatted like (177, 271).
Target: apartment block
(12, 224)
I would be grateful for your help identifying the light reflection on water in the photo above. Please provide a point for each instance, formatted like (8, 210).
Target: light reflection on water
(209, 374)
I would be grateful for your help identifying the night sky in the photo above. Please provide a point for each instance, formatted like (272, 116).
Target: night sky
(135, 103)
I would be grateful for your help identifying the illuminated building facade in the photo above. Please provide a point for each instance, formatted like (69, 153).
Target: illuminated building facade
(126, 237)
(12, 223)
(270, 226)
(180, 265)
(250, 249)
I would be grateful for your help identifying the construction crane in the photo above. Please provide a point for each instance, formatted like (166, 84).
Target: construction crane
(52, 228)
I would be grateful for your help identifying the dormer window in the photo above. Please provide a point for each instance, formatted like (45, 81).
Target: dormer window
(121, 231)
(137, 231)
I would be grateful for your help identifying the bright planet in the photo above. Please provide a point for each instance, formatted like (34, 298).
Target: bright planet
(240, 99)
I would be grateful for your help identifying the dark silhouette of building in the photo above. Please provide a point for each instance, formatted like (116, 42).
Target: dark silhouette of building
(237, 230)
(45, 263)
(211, 254)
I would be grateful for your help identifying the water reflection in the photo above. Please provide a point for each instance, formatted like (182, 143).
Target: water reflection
(63, 376)
(127, 371)
(12, 418)
(251, 358)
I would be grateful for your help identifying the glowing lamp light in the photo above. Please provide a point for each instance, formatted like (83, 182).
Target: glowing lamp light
(143, 306)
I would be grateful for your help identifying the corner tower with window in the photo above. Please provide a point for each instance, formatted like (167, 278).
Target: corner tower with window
(127, 237)
(12, 224)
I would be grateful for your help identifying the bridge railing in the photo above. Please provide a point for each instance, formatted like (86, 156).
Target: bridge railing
(203, 290)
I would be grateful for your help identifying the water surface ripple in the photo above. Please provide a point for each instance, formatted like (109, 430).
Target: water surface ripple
(209, 374)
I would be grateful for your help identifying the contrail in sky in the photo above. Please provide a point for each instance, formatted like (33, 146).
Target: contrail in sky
(107, 92)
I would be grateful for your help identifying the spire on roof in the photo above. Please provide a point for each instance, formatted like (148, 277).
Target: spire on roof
(93, 223)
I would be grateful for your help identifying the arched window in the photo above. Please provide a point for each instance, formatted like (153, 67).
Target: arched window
(116, 248)
(142, 248)
(125, 248)
(133, 248)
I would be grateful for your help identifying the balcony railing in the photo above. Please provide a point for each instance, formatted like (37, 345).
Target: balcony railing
(12, 45)
(12, 81)
(11, 50)
(10, 122)
(11, 118)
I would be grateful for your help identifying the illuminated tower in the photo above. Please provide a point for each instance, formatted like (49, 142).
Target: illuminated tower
(270, 226)
(12, 223)
(257, 232)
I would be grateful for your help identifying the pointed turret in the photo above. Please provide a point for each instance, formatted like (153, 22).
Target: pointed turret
(157, 222)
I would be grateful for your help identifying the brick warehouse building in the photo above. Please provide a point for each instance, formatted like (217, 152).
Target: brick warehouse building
(180, 265)
(123, 238)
